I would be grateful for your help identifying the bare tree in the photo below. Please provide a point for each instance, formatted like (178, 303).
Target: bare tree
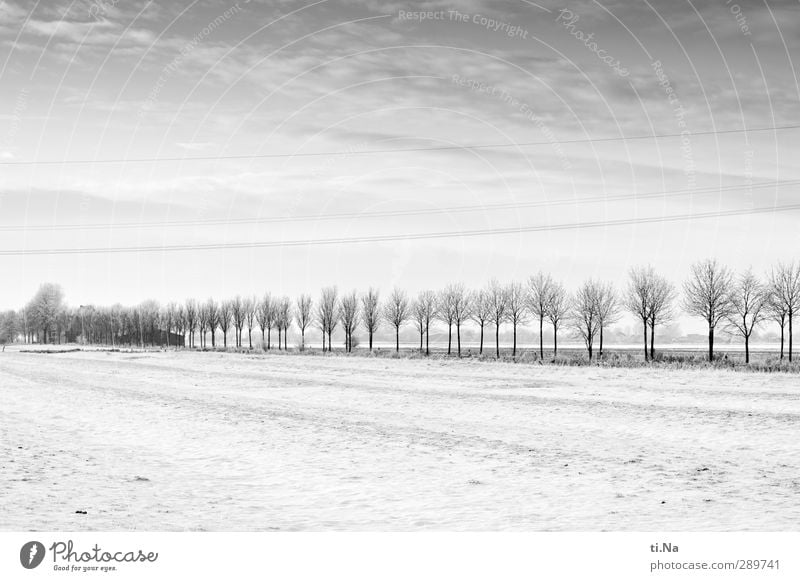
(586, 312)
(446, 313)
(418, 315)
(539, 287)
(396, 312)
(777, 311)
(44, 309)
(303, 317)
(748, 297)
(607, 309)
(238, 315)
(517, 307)
(498, 301)
(425, 309)
(706, 295)
(180, 324)
(328, 314)
(169, 317)
(638, 296)
(481, 312)
(265, 314)
(660, 308)
(284, 319)
(785, 291)
(190, 311)
(557, 311)
(371, 313)
(224, 320)
(203, 323)
(212, 319)
(349, 315)
(462, 309)
(250, 306)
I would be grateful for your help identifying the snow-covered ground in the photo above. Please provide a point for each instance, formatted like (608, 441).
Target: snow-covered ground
(212, 441)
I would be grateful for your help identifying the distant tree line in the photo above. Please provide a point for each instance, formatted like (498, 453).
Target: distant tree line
(736, 303)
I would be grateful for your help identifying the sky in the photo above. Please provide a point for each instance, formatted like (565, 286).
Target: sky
(106, 106)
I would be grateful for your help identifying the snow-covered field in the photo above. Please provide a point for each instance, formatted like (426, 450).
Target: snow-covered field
(211, 441)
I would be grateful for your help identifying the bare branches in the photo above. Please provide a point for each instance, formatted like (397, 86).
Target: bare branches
(586, 312)
(747, 299)
(371, 313)
(350, 316)
(396, 312)
(706, 295)
(539, 288)
(498, 303)
(557, 311)
(785, 297)
(303, 317)
(328, 314)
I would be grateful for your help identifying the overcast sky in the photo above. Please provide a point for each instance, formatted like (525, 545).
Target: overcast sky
(128, 79)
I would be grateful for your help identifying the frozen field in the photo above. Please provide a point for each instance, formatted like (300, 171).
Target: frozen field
(209, 441)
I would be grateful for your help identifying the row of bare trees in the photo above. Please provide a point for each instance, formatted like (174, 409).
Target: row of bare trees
(738, 303)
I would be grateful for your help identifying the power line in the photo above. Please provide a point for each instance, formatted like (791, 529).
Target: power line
(399, 213)
(399, 150)
(399, 237)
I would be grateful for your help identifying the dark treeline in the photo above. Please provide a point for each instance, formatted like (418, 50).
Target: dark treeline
(736, 303)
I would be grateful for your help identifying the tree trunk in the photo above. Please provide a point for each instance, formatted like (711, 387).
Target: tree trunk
(791, 316)
(250, 337)
(555, 342)
(370, 340)
(279, 338)
(652, 340)
(589, 347)
(323, 341)
(421, 333)
(302, 339)
(458, 338)
(449, 336)
(782, 335)
(480, 351)
(644, 327)
(330, 340)
(514, 348)
(600, 351)
(747, 348)
(397, 339)
(710, 343)
(286, 338)
(497, 339)
(541, 338)
(428, 339)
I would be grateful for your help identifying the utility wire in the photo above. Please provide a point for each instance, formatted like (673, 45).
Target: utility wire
(400, 213)
(382, 151)
(391, 238)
